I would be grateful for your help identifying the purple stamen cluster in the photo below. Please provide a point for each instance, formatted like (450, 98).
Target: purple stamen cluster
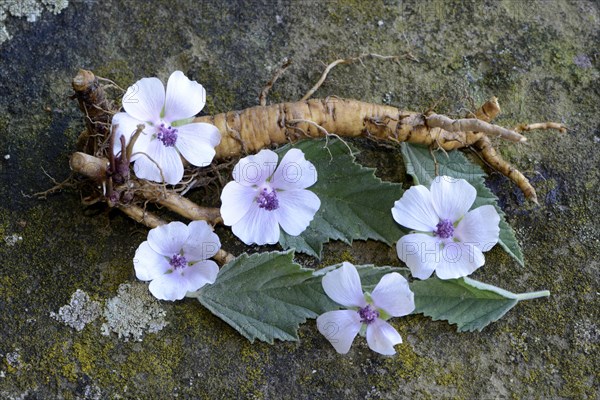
(167, 135)
(444, 229)
(178, 261)
(368, 314)
(267, 200)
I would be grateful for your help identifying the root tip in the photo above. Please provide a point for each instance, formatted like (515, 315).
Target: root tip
(523, 139)
(534, 199)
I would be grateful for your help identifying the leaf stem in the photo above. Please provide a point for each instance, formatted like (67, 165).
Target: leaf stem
(533, 295)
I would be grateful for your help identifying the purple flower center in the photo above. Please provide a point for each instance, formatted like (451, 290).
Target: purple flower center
(368, 314)
(167, 135)
(444, 229)
(267, 200)
(178, 261)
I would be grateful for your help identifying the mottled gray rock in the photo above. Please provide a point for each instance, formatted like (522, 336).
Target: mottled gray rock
(540, 58)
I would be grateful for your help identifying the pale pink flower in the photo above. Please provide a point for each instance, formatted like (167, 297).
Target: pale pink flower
(169, 133)
(447, 237)
(265, 196)
(368, 312)
(175, 258)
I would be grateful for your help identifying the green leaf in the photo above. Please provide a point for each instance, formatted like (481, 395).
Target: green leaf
(355, 204)
(265, 296)
(420, 165)
(469, 304)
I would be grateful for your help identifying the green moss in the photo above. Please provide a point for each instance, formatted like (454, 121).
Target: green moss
(333, 259)
(407, 365)
(113, 273)
(341, 11)
(92, 357)
(118, 71)
(578, 373)
(11, 284)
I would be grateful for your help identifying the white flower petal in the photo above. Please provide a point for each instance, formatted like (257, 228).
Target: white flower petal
(196, 142)
(202, 243)
(200, 274)
(255, 169)
(393, 295)
(167, 158)
(148, 264)
(126, 126)
(185, 98)
(342, 285)
(296, 209)
(236, 201)
(257, 226)
(420, 252)
(382, 337)
(458, 260)
(169, 287)
(479, 227)
(294, 172)
(168, 240)
(415, 210)
(340, 328)
(142, 142)
(452, 197)
(145, 99)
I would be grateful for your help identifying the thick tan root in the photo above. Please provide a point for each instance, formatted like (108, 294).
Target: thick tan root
(255, 128)
(259, 127)
(490, 156)
(223, 257)
(182, 206)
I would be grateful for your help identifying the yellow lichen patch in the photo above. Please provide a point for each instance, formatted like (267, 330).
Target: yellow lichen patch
(57, 359)
(159, 359)
(254, 360)
(579, 375)
(452, 377)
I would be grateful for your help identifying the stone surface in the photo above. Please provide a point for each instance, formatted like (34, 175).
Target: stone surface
(540, 58)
